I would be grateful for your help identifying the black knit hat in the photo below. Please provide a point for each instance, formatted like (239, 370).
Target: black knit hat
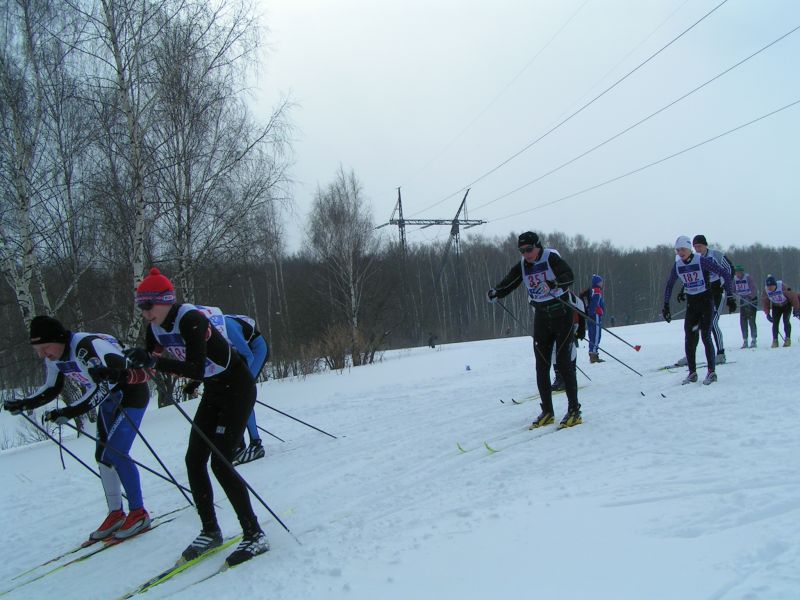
(528, 238)
(700, 239)
(45, 330)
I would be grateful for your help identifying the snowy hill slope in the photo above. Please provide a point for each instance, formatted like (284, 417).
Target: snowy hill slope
(666, 491)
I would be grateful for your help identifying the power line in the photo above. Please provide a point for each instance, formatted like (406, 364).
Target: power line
(500, 93)
(647, 118)
(582, 108)
(652, 164)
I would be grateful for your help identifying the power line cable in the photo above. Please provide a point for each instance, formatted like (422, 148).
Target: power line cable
(647, 118)
(581, 109)
(448, 145)
(652, 164)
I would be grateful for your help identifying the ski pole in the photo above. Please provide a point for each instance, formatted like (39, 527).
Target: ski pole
(138, 464)
(637, 347)
(503, 306)
(296, 419)
(260, 428)
(620, 362)
(157, 457)
(64, 448)
(582, 371)
(227, 463)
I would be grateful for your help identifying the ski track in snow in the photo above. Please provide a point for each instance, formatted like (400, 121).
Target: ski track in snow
(666, 491)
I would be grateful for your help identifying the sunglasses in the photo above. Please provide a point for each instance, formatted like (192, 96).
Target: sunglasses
(146, 305)
(526, 249)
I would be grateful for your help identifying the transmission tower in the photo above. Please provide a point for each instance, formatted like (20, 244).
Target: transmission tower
(454, 223)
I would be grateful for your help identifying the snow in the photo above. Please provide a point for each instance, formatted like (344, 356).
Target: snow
(665, 492)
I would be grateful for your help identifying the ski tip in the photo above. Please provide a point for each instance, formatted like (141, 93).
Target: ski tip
(642, 393)
(637, 347)
(662, 395)
(502, 401)
(489, 448)
(460, 449)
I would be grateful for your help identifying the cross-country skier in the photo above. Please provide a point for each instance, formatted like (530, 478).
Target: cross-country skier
(94, 361)
(242, 333)
(595, 310)
(183, 341)
(747, 295)
(778, 303)
(694, 272)
(547, 278)
(701, 247)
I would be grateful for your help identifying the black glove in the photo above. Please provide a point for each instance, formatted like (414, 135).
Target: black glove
(731, 304)
(190, 389)
(139, 358)
(769, 317)
(681, 297)
(110, 374)
(491, 295)
(15, 407)
(55, 416)
(666, 313)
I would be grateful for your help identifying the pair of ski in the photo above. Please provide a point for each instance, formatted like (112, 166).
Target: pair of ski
(181, 566)
(97, 546)
(534, 397)
(490, 449)
(677, 367)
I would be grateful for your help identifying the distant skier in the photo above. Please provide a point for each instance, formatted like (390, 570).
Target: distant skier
(778, 302)
(547, 278)
(701, 247)
(593, 296)
(747, 296)
(194, 348)
(694, 271)
(94, 361)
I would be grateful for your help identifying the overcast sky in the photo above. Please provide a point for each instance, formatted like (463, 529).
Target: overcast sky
(433, 96)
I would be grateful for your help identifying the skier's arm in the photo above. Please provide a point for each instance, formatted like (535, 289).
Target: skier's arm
(673, 277)
(52, 387)
(510, 282)
(562, 271)
(709, 264)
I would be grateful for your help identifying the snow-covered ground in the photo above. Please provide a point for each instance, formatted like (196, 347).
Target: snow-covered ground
(666, 491)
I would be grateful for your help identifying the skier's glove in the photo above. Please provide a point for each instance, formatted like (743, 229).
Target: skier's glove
(769, 317)
(15, 407)
(190, 389)
(681, 297)
(491, 295)
(110, 374)
(55, 416)
(666, 313)
(731, 304)
(139, 358)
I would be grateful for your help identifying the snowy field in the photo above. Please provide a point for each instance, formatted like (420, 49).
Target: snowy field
(665, 492)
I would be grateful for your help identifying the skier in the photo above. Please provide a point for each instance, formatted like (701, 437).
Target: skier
(594, 299)
(778, 303)
(94, 361)
(701, 247)
(194, 348)
(694, 271)
(747, 294)
(547, 278)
